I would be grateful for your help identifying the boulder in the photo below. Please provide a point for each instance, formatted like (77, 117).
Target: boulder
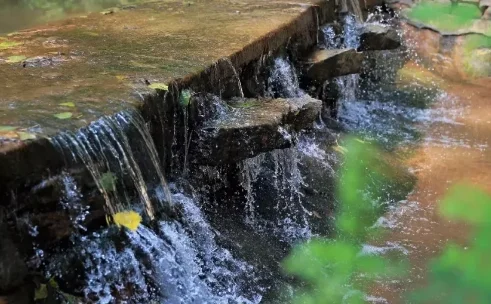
(376, 37)
(252, 126)
(322, 65)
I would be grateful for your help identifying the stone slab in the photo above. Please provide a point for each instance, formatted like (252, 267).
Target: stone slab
(253, 126)
(100, 64)
(323, 65)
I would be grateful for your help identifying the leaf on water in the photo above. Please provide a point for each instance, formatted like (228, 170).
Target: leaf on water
(63, 115)
(185, 98)
(108, 181)
(159, 86)
(8, 44)
(67, 104)
(7, 128)
(128, 219)
(16, 59)
(26, 136)
(41, 293)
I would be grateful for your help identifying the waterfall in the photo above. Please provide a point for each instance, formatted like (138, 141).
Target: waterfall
(120, 155)
(353, 7)
(283, 81)
(171, 262)
(272, 182)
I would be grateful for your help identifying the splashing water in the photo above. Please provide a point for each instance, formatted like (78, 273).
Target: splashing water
(283, 81)
(274, 179)
(118, 149)
(171, 262)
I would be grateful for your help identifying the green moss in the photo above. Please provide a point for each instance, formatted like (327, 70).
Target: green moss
(445, 16)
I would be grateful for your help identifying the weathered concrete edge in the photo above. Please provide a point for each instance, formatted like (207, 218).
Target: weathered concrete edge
(33, 159)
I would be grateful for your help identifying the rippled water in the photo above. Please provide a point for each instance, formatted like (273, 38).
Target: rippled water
(20, 14)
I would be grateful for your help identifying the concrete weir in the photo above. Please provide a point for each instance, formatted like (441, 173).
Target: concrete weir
(80, 69)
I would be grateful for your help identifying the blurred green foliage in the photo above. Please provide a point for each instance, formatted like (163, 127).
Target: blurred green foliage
(445, 16)
(461, 273)
(335, 270)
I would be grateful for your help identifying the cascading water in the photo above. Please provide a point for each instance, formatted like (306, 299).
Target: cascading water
(272, 182)
(283, 81)
(117, 161)
(168, 261)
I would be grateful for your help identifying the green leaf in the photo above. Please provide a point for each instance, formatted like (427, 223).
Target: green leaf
(26, 135)
(7, 128)
(467, 203)
(8, 44)
(185, 98)
(67, 104)
(159, 86)
(63, 115)
(108, 181)
(16, 58)
(41, 293)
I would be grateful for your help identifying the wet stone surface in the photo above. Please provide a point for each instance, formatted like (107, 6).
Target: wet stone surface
(253, 126)
(65, 74)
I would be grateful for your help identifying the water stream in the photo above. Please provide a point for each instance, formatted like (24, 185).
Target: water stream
(181, 253)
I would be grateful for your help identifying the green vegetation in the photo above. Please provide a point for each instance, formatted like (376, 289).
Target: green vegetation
(445, 16)
(461, 274)
(336, 270)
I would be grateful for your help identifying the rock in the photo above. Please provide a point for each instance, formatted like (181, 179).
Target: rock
(485, 6)
(487, 13)
(323, 65)
(378, 37)
(251, 127)
(43, 61)
(478, 62)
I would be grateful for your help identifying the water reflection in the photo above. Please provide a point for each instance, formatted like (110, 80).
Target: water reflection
(20, 14)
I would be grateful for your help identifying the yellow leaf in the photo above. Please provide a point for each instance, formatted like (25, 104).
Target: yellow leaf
(7, 128)
(15, 59)
(8, 44)
(64, 115)
(67, 104)
(128, 219)
(26, 135)
(159, 86)
(121, 77)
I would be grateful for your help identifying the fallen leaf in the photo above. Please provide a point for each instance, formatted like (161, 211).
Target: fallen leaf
(128, 219)
(7, 128)
(63, 115)
(185, 98)
(159, 86)
(26, 136)
(8, 44)
(67, 104)
(108, 181)
(41, 293)
(121, 77)
(16, 59)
